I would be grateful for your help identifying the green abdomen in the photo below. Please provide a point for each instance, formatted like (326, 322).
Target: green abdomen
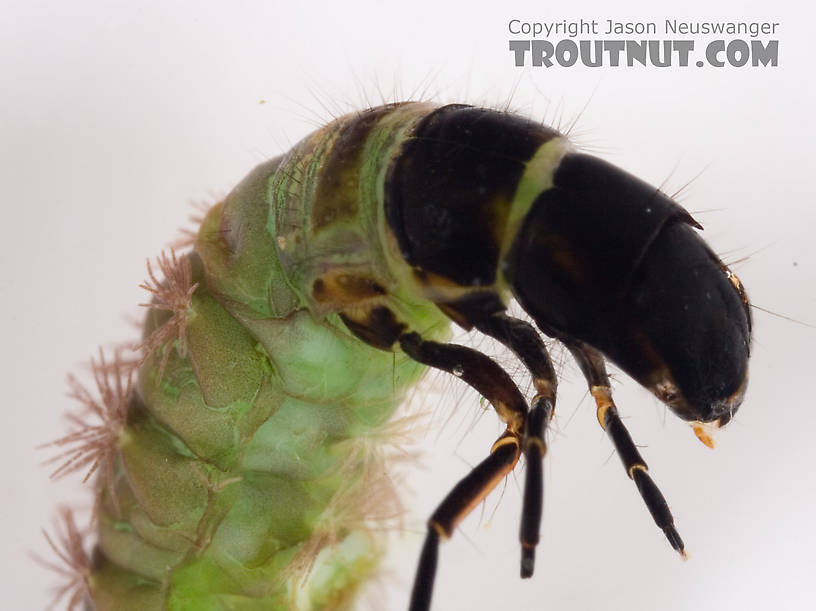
(250, 466)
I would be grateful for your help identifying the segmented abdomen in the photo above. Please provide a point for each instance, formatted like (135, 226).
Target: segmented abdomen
(250, 465)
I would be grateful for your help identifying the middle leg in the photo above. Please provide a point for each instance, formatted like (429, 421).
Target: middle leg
(527, 345)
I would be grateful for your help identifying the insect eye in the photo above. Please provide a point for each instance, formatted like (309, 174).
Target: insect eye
(667, 391)
(740, 288)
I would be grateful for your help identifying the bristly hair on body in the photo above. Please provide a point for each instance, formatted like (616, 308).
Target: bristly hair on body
(98, 424)
(174, 295)
(74, 563)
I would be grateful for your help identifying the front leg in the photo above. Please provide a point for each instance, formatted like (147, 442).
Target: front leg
(592, 365)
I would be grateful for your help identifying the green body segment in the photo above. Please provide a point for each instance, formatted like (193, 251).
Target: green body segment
(245, 464)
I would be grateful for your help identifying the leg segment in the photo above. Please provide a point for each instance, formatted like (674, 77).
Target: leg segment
(464, 497)
(493, 383)
(594, 370)
(477, 370)
(526, 344)
(534, 449)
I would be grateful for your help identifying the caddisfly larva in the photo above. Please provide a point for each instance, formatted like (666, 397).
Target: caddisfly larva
(320, 289)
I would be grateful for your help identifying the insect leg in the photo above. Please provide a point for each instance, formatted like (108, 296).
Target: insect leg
(465, 496)
(525, 342)
(534, 448)
(594, 370)
(493, 383)
(477, 370)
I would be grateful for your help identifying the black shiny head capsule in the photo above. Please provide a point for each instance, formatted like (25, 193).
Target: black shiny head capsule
(481, 204)
(606, 259)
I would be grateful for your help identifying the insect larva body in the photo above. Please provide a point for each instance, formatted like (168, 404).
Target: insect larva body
(316, 294)
(242, 455)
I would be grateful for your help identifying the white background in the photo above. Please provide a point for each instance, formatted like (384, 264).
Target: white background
(113, 116)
